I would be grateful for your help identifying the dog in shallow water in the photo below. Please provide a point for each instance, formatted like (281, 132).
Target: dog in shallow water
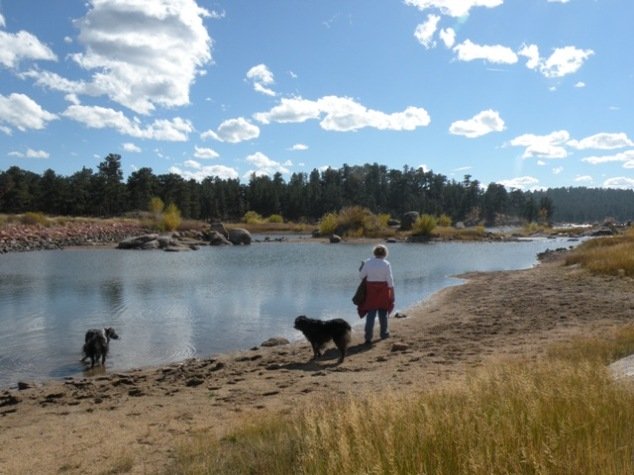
(320, 332)
(96, 344)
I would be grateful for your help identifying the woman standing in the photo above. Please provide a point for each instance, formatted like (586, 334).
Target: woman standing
(379, 292)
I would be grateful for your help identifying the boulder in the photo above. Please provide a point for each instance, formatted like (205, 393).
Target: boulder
(215, 238)
(137, 242)
(239, 236)
(219, 228)
(335, 238)
(409, 219)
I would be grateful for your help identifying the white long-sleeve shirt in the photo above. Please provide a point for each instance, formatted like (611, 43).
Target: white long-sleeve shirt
(377, 269)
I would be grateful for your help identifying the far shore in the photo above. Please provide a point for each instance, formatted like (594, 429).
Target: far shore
(147, 413)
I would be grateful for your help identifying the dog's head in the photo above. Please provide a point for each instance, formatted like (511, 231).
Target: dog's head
(300, 322)
(110, 333)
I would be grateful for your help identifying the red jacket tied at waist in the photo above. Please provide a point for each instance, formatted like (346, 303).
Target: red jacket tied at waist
(378, 296)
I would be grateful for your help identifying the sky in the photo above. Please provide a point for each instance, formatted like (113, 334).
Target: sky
(531, 94)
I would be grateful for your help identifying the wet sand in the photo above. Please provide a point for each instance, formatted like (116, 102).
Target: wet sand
(91, 424)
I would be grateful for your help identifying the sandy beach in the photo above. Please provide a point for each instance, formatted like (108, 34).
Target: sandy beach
(88, 424)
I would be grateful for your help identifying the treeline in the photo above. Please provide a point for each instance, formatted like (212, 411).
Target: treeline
(305, 197)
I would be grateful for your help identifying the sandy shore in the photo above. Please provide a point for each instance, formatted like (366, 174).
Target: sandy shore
(89, 425)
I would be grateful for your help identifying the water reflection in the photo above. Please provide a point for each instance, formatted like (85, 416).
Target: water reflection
(170, 306)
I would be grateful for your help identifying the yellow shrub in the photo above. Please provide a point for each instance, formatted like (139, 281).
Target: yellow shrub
(275, 218)
(251, 217)
(171, 218)
(424, 225)
(328, 224)
(444, 220)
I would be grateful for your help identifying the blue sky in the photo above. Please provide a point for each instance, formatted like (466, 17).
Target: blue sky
(528, 93)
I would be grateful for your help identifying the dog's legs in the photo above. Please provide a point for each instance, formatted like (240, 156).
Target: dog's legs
(342, 344)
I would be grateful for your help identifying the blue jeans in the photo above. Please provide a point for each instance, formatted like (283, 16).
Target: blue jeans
(369, 324)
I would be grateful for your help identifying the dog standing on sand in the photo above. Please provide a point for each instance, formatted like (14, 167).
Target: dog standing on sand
(320, 332)
(96, 344)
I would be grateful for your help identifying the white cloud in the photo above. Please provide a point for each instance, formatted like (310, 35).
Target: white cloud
(175, 130)
(557, 170)
(140, 54)
(448, 37)
(2, 22)
(233, 131)
(584, 179)
(299, 147)
(453, 8)
(602, 141)
(580, 84)
(343, 114)
(265, 166)
(565, 61)
(424, 32)
(543, 146)
(621, 182)
(619, 157)
(522, 183)
(558, 1)
(22, 112)
(30, 153)
(22, 45)
(481, 124)
(562, 62)
(130, 147)
(291, 110)
(497, 54)
(194, 170)
(262, 78)
(531, 52)
(202, 152)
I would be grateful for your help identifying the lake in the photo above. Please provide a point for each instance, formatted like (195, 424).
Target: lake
(171, 306)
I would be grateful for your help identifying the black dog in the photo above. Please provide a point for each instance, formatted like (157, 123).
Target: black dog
(96, 344)
(320, 332)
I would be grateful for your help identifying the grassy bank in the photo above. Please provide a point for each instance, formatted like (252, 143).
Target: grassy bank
(613, 255)
(561, 415)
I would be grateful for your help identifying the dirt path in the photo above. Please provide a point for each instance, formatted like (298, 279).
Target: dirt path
(136, 419)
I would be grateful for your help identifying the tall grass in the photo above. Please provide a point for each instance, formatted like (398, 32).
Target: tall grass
(608, 255)
(562, 415)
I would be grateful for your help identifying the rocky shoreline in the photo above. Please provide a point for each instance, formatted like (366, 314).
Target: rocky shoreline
(35, 237)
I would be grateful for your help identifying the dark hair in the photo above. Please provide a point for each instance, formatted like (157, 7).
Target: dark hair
(380, 251)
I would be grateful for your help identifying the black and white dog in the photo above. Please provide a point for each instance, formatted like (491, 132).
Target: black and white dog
(320, 332)
(96, 344)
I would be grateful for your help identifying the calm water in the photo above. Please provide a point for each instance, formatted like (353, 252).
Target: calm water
(171, 306)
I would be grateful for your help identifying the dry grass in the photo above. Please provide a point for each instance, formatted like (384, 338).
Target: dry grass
(612, 255)
(562, 415)
(475, 233)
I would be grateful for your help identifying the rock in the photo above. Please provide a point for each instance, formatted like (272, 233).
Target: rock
(399, 346)
(218, 227)
(215, 238)
(22, 385)
(276, 341)
(137, 242)
(335, 238)
(409, 219)
(400, 315)
(240, 236)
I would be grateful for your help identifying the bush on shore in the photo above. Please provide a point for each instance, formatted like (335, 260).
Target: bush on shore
(564, 414)
(355, 222)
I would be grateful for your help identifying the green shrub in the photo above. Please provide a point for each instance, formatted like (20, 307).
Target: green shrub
(424, 225)
(275, 218)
